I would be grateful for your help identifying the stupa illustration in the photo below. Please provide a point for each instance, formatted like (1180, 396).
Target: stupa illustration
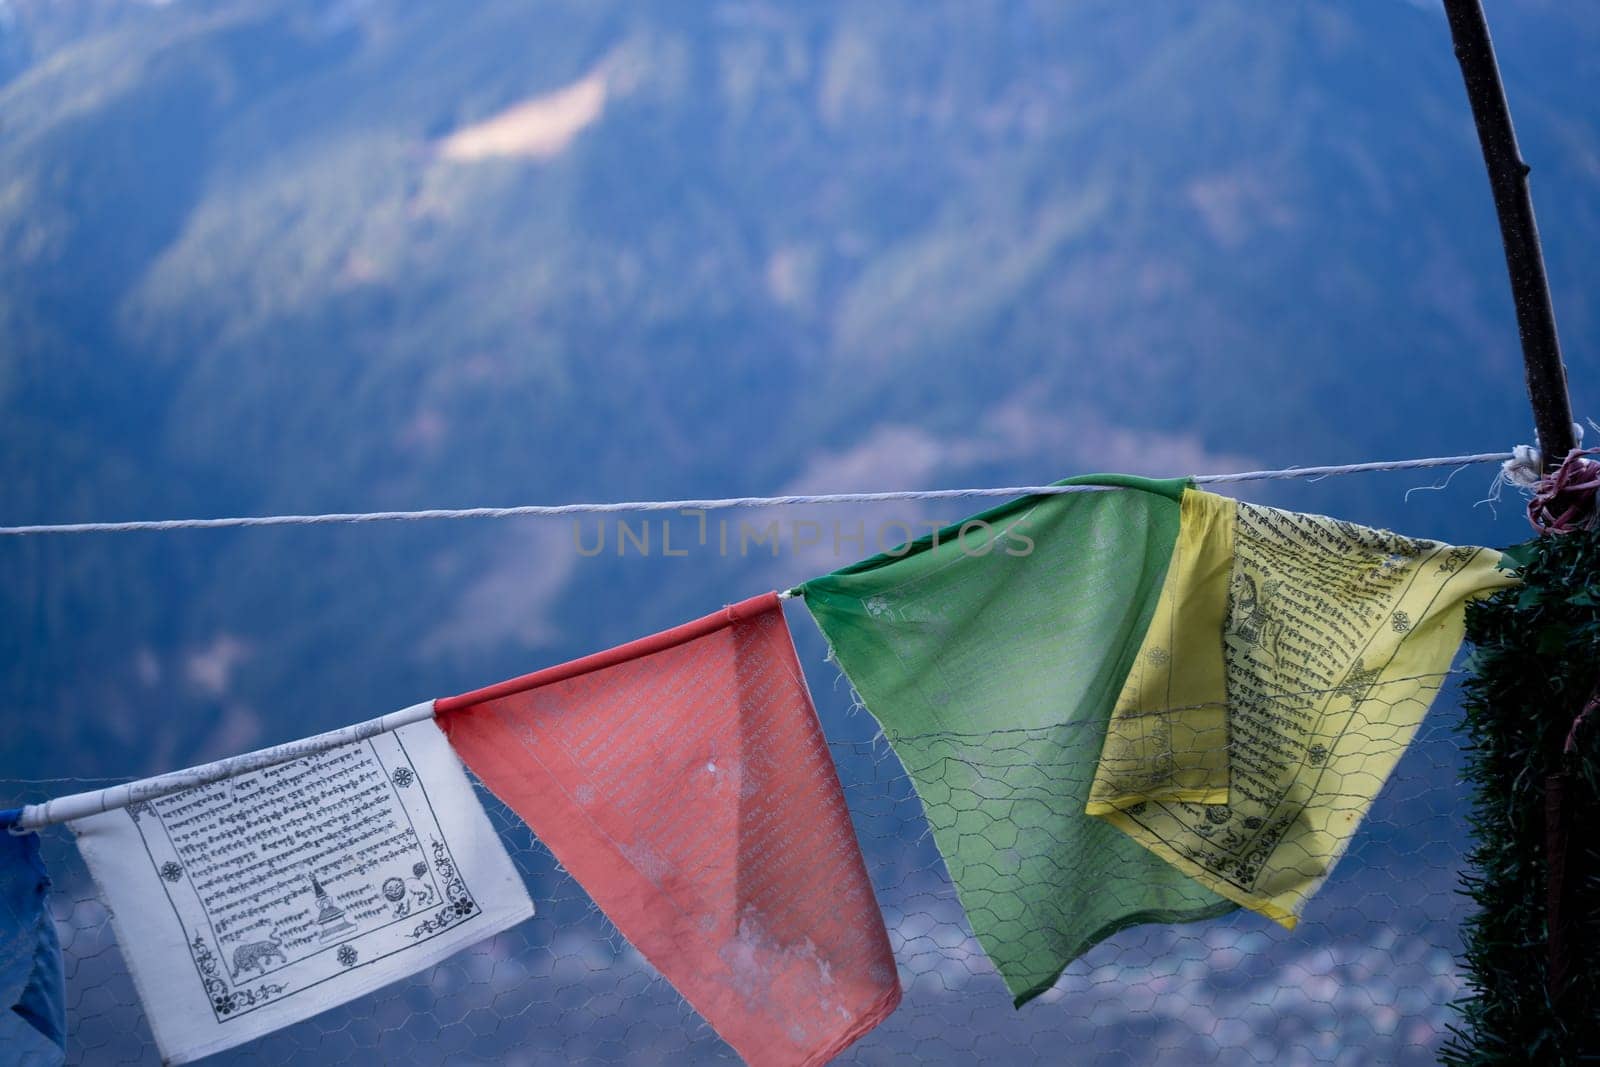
(329, 915)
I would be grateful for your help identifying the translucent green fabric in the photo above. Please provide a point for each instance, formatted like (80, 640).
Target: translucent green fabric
(992, 660)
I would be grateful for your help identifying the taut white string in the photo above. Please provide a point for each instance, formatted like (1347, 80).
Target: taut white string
(78, 805)
(556, 510)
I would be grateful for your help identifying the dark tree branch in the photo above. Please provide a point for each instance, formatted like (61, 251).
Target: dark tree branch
(1508, 177)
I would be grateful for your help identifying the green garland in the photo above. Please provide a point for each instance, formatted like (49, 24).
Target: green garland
(1534, 667)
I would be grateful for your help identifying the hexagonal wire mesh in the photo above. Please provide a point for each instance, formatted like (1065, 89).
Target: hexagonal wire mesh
(1369, 975)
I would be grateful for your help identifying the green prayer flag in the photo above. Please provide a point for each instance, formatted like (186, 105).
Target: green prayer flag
(992, 653)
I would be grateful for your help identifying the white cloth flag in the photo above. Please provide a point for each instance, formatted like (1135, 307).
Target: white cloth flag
(257, 901)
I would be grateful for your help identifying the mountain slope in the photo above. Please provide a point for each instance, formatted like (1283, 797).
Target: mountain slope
(247, 266)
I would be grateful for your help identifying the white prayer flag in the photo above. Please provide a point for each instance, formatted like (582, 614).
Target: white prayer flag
(259, 900)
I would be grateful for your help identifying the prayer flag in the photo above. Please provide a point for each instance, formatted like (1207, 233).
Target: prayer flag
(32, 999)
(262, 899)
(992, 652)
(1290, 660)
(683, 780)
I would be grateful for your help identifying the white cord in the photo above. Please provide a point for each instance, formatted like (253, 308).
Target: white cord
(553, 510)
(79, 805)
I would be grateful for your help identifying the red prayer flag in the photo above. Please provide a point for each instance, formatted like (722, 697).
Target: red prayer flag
(683, 780)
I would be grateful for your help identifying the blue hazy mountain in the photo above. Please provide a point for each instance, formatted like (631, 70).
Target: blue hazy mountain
(264, 257)
(295, 257)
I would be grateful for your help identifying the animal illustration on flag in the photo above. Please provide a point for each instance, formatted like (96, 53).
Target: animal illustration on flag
(257, 954)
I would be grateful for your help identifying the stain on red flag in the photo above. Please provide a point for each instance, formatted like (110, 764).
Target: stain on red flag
(684, 781)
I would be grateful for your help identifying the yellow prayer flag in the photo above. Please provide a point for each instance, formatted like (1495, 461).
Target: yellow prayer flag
(1288, 664)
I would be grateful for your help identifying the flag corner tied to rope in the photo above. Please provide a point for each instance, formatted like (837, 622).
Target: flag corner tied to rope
(260, 899)
(32, 993)
(684, 782)
(1289, 662)
(992, 653)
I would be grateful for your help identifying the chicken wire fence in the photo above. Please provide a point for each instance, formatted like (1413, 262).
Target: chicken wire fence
(1368, 976)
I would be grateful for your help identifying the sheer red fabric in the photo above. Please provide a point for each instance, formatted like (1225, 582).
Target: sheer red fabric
(684, 781)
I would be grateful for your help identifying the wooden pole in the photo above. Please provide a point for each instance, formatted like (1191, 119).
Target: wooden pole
(1508, 178)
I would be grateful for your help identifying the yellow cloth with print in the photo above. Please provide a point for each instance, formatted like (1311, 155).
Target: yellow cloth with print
(1288, 664)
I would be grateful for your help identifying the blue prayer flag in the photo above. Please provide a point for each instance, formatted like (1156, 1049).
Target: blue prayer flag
(32, 996)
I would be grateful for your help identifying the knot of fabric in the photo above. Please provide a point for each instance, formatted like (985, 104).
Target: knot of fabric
(1524, 469)
(1565, 499)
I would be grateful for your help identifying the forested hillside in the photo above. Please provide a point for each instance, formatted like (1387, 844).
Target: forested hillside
(280, 256)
